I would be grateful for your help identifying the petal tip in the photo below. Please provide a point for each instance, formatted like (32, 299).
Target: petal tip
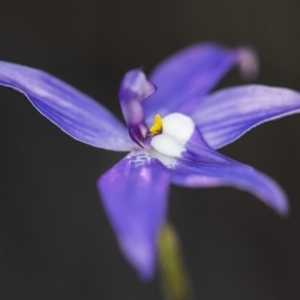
(141, 256)
(278, 201)
(248, 63)
(284, 209)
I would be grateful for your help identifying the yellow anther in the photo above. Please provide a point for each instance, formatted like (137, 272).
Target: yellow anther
(157, 125)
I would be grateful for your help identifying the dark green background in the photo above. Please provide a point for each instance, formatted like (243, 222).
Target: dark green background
(55, 240)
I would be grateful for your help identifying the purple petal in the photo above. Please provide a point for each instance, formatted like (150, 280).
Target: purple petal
(75, 113)
(226, 172)
(134, 89)
(184, 78)
(134, 194)
(205, 167)
(226, 115)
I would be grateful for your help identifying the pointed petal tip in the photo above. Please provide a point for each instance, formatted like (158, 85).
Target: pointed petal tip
(146, 272)
(248, 63)
(146, 277)
(283, 209)
(273, 196)
(285, 214)
(142, 257)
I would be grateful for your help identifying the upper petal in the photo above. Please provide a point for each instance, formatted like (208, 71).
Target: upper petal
(226, 115)
(185, 77)
(134, 194)
(75, 113)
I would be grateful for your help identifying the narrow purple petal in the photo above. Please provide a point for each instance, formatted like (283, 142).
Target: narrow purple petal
(226, 172)
(75, 113)
(201, 166)
(226, 115)
(134, 89)
(184, 78)
(134, 194)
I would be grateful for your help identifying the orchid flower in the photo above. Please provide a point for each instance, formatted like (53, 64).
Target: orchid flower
(173, 131)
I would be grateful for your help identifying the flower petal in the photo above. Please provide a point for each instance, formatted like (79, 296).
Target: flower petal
(134, 194)
(75, 113)
(226, 115)
(227, 172)
(184, 78)
(134, 89)
(201, 166)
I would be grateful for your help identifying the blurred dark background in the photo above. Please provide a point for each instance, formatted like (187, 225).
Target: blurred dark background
(55, 239)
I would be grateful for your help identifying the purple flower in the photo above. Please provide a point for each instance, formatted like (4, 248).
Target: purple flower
(173, 129)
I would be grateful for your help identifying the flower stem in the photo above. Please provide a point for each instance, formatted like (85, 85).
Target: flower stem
(175, 282)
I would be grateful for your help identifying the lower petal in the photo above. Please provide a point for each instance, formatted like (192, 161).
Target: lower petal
(226, 172)
(134, 194)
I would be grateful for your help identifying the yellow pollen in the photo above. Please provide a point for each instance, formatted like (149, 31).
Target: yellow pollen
(157, 125)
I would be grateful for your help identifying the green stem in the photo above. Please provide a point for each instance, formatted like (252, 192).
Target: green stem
(175, 282)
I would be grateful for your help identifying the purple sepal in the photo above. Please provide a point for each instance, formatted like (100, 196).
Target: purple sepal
(226, 115)
(75, 113)
(134, 194)
(184, 78)
(205, 167)
(203, 172)
(134, 89)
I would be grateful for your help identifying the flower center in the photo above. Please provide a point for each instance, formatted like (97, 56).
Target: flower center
(177, 131)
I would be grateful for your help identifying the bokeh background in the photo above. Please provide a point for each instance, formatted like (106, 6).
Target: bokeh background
(55, 239)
